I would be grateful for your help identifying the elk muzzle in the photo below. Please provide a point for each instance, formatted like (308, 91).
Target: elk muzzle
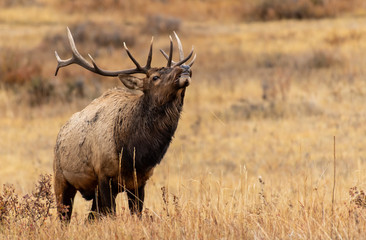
(184, 79)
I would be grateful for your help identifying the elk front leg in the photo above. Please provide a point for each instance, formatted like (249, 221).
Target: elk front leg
(136, 201)
(107, 197)
(93, 214)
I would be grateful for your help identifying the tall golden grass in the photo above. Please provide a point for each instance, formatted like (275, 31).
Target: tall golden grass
(254, 153)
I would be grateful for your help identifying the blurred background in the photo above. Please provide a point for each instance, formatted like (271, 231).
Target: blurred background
(235, 39)
(273, 82)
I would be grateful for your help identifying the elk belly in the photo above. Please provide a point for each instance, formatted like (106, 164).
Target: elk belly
(80, 181)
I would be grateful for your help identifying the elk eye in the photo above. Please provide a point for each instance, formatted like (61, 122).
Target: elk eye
(155, 78)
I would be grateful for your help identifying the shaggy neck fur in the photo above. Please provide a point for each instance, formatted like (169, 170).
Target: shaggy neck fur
(151, 133)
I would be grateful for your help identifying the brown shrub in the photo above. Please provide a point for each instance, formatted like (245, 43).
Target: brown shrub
(105, 34)
(357, 197)
(40, 91)
(22, 70)
(299, 9)
(31, 209)
(18, 67)
(92, 5)
(324, 59)
(161, 24)
(337, 38)
(315, 59)
(275, 109)
(98, 36)
(13, 3)
(277, 85)
(276, 60)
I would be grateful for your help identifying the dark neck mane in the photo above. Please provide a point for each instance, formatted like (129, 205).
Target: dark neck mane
(151, 132)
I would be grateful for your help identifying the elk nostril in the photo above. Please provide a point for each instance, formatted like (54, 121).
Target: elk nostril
(186, 82)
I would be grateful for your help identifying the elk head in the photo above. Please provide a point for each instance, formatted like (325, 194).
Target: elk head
(160, 84)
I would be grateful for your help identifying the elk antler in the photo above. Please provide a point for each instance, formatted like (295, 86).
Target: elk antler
(78, 59)
(181, 54)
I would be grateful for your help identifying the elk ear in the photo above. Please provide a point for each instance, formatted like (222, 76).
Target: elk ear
(131, 82)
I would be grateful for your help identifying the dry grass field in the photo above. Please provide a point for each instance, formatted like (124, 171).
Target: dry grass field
(275, 108)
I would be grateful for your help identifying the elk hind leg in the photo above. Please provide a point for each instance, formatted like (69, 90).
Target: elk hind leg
(65, 194)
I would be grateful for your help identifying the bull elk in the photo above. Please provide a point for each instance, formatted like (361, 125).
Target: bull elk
(114, 143)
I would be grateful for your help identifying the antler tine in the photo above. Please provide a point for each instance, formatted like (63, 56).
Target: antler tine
(76, 57)
(97, 69)
(164, 54)
(170, 57)
(194, 58)
(180, 47)
(60, 63)
(185, 59)
(149, 57)
(181, 54)
(132, 58)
